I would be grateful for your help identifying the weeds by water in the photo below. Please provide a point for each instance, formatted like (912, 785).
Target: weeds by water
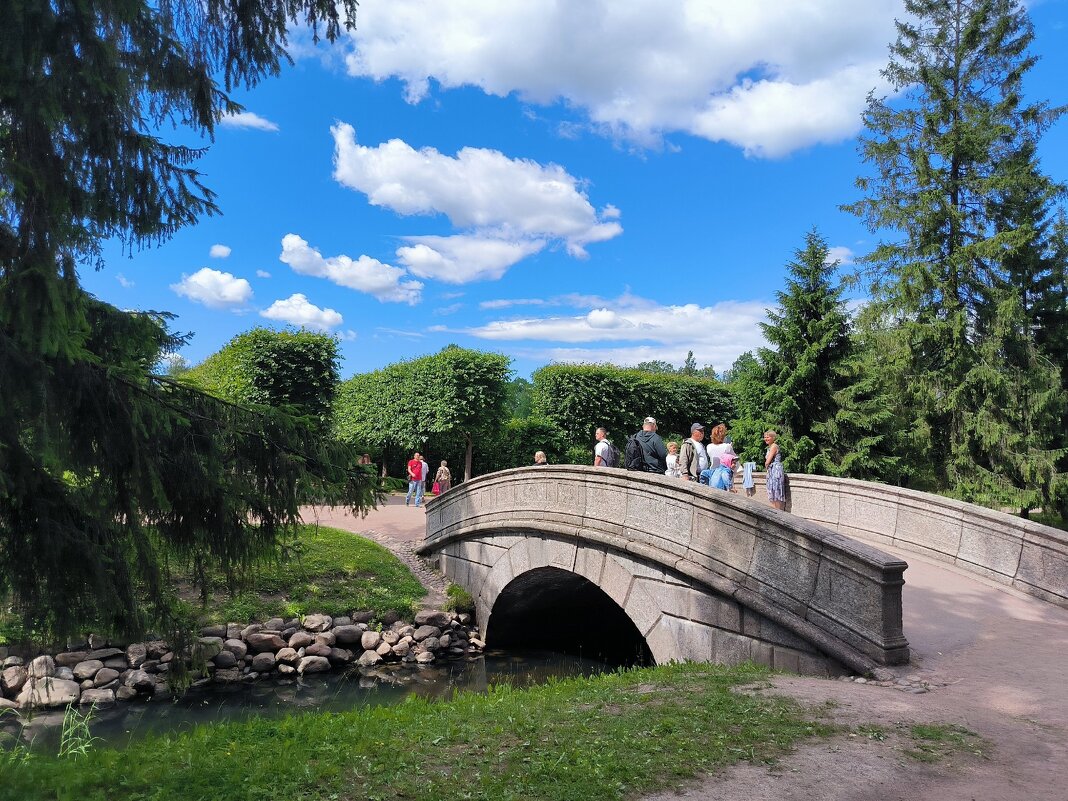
(76, 739)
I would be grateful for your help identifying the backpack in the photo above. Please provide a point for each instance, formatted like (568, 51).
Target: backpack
(634, 456)
(610, 457)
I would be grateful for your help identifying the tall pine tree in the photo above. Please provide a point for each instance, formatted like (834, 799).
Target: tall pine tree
(953, 143)
(809, 333)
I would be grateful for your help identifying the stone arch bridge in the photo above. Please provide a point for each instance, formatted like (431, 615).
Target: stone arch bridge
(702, 575)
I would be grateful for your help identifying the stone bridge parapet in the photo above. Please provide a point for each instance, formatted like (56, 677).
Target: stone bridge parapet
(1022, 554)
(703, 575)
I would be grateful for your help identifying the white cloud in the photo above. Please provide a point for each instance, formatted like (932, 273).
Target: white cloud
(364, 274)
(840, 253)
(716, 334)
(220, 251)
(452, 308)
(214, 289)
(461, 259)
(507, 209)
(297, 310)
(262, 274)
(246, 119)
(766, 76)
(505, 303)
(124, 282)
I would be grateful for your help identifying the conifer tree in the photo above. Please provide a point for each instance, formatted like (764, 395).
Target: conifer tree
(809, 333)
(108, 470)
(947, 150)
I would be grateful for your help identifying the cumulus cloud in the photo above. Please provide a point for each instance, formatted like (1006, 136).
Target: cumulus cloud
(841, 254)
(505, 303)
(246, 119)
(220, 251)
(298, 310)
(214, 289)
(461, 259)
(262, 274)
(364, 274)
(766, 76)
(633, 329)
(505, 209)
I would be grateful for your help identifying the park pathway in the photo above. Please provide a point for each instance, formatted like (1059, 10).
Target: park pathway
(984, 657)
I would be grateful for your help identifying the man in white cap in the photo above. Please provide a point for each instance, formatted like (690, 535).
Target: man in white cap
(646, 451)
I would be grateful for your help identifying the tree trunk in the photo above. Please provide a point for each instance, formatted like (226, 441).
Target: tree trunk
(467, 458)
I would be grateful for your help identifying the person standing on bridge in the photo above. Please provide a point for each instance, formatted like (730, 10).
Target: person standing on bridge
(646, 451)
(605, 454)
(693, 458)
(776, 480)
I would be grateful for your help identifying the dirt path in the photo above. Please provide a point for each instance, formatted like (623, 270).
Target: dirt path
(994, 661)
(985, 658)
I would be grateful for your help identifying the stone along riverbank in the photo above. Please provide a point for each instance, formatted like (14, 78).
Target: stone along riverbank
(98, 672)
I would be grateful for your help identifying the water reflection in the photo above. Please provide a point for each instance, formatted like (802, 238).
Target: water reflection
(118, 725)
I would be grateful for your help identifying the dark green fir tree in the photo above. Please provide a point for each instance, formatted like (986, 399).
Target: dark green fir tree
(951, 144)
(110, 471)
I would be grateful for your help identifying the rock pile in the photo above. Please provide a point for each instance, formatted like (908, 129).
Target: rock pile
(94, 672)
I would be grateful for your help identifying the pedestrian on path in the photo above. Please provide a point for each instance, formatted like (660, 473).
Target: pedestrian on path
(443, 478)
(415, 480)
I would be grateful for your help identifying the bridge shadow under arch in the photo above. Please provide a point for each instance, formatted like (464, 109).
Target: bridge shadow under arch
(557, 610)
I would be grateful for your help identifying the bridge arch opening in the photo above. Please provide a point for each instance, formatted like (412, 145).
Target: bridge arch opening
(553, 609)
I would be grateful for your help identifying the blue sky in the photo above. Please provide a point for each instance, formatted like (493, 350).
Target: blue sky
(605, 181)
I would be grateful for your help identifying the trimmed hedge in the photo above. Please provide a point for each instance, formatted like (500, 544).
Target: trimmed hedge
(296, 369)
(579, 398)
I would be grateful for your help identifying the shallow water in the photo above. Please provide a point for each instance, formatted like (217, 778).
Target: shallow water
(123, 723)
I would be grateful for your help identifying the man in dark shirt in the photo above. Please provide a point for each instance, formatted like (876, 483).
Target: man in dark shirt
(654, 454)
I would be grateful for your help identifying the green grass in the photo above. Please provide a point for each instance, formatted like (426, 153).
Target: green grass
(938, 742)
(604, 737)
(333, 572)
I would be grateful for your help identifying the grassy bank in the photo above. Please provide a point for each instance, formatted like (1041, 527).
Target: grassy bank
(331, 571)
(605, 737)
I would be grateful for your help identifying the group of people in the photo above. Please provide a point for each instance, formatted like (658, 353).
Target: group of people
(714, 464)
(418, 472)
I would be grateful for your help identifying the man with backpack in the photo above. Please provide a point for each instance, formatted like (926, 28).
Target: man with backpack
(605, 454)
(646, 451)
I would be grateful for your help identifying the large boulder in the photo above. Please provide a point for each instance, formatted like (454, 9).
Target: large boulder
(369, 659)
(87, 669)
(370, 640)
(207, 647)
(326, 638)
(140, 681)
(48, 692)
(105, 676)
(71, 658)
(41, 668)
(347, 635)
(225, 659)
(431, 617)
(98, 697)
(287, 655)
(262, 641)
(301, 639)
(424, 658)
(106, 653)
(317, 649)
(214, 631)
(136, 654)
(236, 647)
(318, 623)
(423, 632)
(274, 624)
(263, 663)
(12, 679)
(313, 664)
